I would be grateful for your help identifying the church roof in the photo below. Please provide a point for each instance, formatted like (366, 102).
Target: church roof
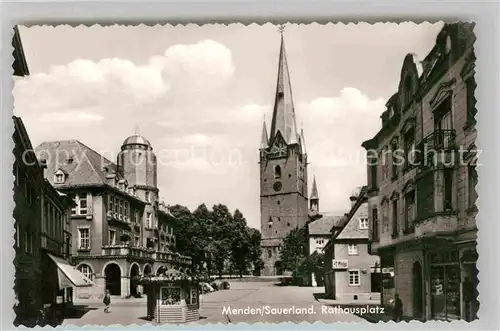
(283, 120)
(314, 191)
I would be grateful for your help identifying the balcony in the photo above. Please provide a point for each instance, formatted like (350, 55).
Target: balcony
(144, 253)
(438, 224)
(434, 145)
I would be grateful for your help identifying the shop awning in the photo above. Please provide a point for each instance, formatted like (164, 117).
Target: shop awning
(68, 275)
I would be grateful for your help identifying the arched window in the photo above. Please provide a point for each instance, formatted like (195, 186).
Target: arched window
(277, 172)
(408, 91)
(86, 270)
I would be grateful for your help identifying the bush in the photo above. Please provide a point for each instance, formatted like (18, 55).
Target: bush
(225, 285)
(215, 286)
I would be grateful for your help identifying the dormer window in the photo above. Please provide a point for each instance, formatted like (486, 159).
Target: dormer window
(59, 177)
(70, 160)
(391, 112)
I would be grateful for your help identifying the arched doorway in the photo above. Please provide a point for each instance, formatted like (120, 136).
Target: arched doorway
(134, 272)
(418, 292)
(113, 276)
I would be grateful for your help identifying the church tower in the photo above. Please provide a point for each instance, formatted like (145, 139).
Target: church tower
(283, 173)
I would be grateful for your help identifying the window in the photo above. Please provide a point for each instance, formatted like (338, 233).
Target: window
(136, 216)
(112, 237)
(448, 189)
(86, 270)
(409, 148)
(352, 249)
(81, 204)
(443, 125)
(471, 101)
(394, 152)
(277, 172)
(120, 210)
(147, 196)
(363, 223)
(269, 253)
(125, 208)
(472, 182)
(111, 200)
(385, 165)
(84, 238)
(136, 241)
(59, 178)
(395, 228)
(375, 224)
(373, 174)
(28, 242)
(170, 296)
(149, 222)
(408, 91)
(409, 209)
(353, 277)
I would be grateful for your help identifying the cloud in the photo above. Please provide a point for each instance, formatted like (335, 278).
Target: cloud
(114, 86)
(76, 117)
(336, 126)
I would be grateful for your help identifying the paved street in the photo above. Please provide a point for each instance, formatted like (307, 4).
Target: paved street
(242, 295)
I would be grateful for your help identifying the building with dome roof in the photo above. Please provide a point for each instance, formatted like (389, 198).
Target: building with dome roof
(120, 228)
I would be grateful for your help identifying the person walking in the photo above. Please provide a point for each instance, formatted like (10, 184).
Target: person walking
(398, 309)
(107, 301)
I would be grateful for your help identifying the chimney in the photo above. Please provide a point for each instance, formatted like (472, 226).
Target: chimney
(353, 200)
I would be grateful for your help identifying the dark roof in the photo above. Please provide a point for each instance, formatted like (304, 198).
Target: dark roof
(323, 225)
(351, 230)
(87, 167)
(136, 140)
(19, 64)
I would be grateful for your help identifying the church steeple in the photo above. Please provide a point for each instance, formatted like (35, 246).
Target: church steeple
(264, 141)
(283, 120)
(314, 198)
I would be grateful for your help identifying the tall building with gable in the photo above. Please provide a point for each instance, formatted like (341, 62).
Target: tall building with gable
(283, 173)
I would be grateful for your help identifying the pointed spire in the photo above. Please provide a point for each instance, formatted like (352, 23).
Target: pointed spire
(137, 130)
(314, 191)
(303, 141)
(283, 119)
(264, 142)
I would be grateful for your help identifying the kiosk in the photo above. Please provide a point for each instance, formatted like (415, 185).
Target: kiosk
(173, 297)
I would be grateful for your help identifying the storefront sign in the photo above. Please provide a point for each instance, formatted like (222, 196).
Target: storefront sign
(339, 264)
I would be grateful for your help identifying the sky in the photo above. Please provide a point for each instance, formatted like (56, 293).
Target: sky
(200, 95)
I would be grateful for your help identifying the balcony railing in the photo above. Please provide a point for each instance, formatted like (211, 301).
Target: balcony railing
(437, 141)
(145, 253)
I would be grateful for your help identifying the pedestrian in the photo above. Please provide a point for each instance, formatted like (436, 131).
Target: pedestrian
(107, 301)
(398, 309)
(468, 295)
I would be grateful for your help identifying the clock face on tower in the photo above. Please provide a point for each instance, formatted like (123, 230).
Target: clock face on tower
(277, 186)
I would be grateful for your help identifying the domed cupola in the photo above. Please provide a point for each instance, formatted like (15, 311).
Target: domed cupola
(136, 142)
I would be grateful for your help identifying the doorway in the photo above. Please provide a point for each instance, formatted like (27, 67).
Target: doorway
(134, 272)
(113, 279)
(418, 293)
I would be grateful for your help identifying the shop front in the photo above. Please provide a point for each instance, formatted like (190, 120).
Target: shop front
(453, 281)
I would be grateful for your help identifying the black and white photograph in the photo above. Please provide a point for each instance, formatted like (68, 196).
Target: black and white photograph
(229, 173)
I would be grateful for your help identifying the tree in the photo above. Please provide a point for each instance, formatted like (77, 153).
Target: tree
(255, 254)
(241, 243)
(294, 254)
